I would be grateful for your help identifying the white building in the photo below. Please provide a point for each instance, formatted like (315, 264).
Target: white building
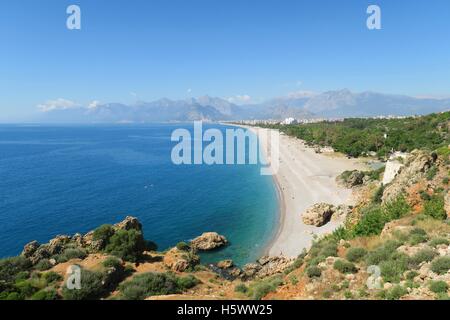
(289, 121)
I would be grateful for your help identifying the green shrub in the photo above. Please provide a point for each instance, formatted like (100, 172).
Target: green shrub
(371, 223)
(424, 255)
(261, 288)
(127, 245)
(397, 208)
(103, 233)
(183, 246)
(10, 267)
(26, 288)
(435, 208)
(241, 288)
(321, 250)
(438, 286)
(441, 265)
(112, 262)
(395, 293)
(45, 294)
(432, 173)
(151, 284)
(424, 195)
(314, 272)
(378, 195)
(92, 287)
(43, 265)
(52, 277)
(437, 241)
(70, 254)
(344, 266)
(393, 268)
(417, 236)
(356, 254)
(382, 253)
(411, 275)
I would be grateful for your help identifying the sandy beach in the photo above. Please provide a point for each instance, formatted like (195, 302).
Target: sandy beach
(305, 178)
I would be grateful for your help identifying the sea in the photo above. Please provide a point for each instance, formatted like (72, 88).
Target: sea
(67, 179)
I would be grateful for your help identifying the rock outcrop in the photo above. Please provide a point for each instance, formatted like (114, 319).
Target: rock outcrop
(180, 261)
(225, 264)
(319, 214)
(416, 165)
(266, 267)
(351, 179)
(209, 241)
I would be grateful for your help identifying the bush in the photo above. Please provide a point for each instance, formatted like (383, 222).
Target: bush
(151, 284)
(441, 265)
(112, 262)
(371, 223)
(378, 195)
(261, 288)
(438, 286)
(432, 173)
(437, 241)
(92, 287)
(321, 250)
(417, 236)
(45, 294)
(382, 253)
(314, 272)
(127, 245)
(397, 208)
(52, 277)
(241, 288)
(344, 266)
(43, 265)
(396, 293)
(411, 275)
(435, 208)
(183, 246)
(103, 233)
(424, 255)
(10, 267)
(25, 288)
(70, 254)
(393, 269)
(356, 254)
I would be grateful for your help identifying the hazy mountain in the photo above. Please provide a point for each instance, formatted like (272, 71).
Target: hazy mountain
(331, 104)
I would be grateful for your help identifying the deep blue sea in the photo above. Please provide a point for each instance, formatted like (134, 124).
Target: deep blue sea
(68, 179)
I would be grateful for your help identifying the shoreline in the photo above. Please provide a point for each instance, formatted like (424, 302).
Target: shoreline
(304, 178)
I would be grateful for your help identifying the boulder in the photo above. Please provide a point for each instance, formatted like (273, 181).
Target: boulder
(30, 248)
(41, 253)
(273, 265)
(350, 179)
(250, 270)
(180, 261)
(319, 214)
(128, 224)
(57, 245)
(209, 241)
(225, 264)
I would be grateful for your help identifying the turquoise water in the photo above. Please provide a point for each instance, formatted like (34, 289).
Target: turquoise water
(67, 179)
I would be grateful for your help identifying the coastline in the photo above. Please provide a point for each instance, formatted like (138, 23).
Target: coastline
(304, 178)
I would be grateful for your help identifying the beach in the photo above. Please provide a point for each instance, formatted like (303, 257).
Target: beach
(305, 178)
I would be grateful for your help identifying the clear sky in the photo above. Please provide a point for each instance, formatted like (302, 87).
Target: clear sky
(130, 50)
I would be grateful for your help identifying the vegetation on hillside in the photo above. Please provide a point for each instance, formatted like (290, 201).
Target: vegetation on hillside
(356, 137)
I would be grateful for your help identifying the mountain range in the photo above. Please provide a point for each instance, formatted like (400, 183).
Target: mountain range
(331, 104)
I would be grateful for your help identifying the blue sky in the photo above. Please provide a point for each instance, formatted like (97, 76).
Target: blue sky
(148, 49)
